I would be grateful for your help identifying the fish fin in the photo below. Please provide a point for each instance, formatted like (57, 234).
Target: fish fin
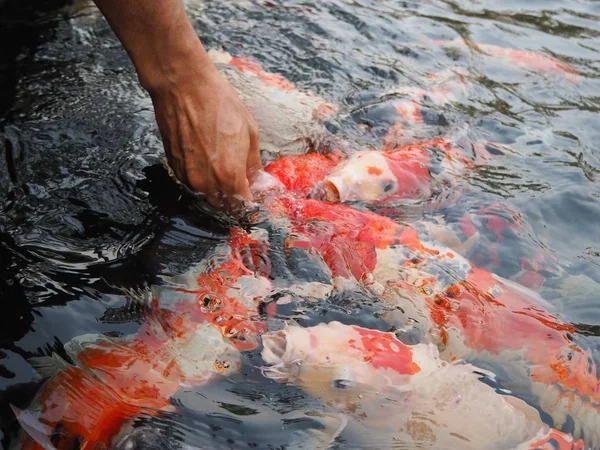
(323, 438)
(36, 430)
(48, 366)
(470, 243)
(532, 296)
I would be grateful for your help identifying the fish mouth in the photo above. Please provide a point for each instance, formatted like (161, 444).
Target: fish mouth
(275, 347)
(331, 193)
(331, 190)
(277, 354)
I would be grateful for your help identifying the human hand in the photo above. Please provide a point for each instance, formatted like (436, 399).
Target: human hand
(210, 139)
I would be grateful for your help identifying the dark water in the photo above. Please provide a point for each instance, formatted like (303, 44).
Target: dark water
(88, 210)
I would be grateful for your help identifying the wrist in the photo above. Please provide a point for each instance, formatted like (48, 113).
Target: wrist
(176, 56)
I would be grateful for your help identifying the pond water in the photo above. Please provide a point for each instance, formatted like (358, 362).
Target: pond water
(88, 210)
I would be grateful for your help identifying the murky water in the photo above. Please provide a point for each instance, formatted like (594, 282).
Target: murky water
(87, 209)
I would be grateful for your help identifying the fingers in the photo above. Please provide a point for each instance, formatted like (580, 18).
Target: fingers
(254, 163)
(211, 141)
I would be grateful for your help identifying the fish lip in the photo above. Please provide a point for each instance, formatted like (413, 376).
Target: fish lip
(277, 353)
(334, 190)
(275, 347)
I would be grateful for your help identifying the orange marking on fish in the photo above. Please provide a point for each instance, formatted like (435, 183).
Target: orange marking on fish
(270, 79)
(383, 350)
(371, 170)
(557, 438)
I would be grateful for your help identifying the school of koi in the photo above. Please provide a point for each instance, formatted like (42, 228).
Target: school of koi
(429, 393)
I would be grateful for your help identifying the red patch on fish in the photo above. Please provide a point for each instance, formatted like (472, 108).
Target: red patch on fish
(301, 173)
(371, 170)
(270, 79)
(383, 350)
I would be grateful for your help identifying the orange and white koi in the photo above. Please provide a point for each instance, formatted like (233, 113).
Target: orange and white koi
(400, 393)
(533, 61)
(194, 333)
(299, 115)
(469, 312)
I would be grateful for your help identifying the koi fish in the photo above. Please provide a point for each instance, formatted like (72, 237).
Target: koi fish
(401, 393)
(410, 173)
(426, 172)
(300, 114)
(469, 312)
(197, 327)
(498, 230)
(533, 61)
(418, 107)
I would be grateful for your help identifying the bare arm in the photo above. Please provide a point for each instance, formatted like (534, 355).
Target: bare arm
(210, 139)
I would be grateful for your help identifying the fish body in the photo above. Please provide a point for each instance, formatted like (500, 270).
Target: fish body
(530, 60)
(469, 312)
(299, 115)
(398, 393)
(198, 325)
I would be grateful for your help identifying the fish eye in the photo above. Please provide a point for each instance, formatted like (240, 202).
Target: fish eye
(342, 384)
(388, 186)
(206, 300)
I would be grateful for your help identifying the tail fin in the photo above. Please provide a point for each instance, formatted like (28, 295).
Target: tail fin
(76, 409)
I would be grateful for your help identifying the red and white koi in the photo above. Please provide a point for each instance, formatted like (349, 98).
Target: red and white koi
(402, 394)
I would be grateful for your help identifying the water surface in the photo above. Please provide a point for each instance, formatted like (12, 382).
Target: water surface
(87, 209)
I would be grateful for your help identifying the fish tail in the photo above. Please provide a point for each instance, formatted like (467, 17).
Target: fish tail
(75, 411)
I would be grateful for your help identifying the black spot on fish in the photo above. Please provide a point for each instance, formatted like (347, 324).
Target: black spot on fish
(342, 384)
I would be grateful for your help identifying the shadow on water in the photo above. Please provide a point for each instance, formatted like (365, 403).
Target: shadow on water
(89, 217)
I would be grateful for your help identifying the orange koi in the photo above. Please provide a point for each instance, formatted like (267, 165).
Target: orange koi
(193, 334)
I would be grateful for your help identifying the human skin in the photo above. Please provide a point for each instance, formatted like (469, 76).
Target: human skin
(210, 139)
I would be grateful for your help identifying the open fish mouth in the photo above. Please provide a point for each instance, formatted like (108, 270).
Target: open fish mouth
(278, 355)
(275, 346)
(332, 191)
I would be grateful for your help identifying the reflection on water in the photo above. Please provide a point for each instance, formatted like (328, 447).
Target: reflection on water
(88, 211)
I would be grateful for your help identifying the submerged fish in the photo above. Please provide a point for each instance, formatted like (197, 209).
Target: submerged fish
(219, 302)
(402, 395)
(469, 312)
(533, 61)
(194, 333)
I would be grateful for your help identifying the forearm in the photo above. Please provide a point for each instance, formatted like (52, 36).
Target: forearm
(159, 38)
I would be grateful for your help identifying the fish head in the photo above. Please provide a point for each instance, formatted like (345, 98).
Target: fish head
(364, 177)
(343, 365)
(379, 177)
